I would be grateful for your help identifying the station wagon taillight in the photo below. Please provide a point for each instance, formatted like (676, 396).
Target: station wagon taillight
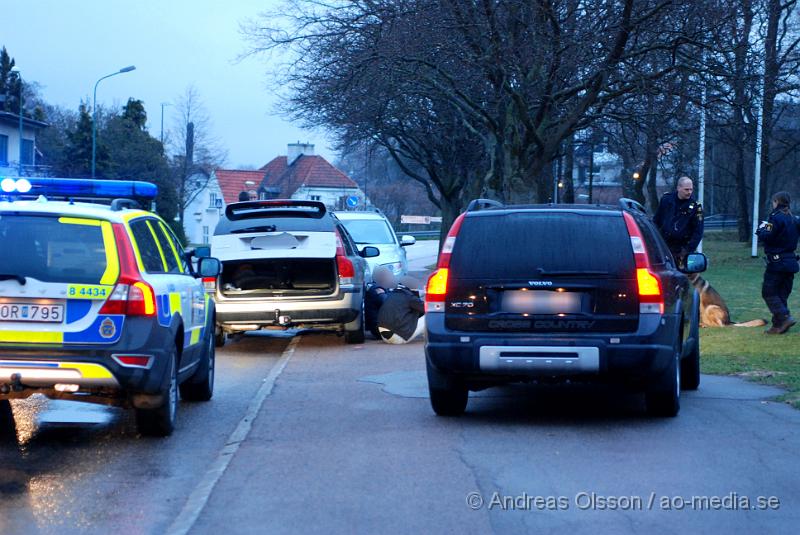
(436, 289)
(651, 298)
(131, 296)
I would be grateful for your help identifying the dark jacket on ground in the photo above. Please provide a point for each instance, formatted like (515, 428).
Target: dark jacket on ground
(401, 311)
(373, 301)
(680, 222)
(780, 236)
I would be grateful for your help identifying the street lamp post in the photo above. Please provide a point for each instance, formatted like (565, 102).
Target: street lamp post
(19, 163)
(129, 68)
(162, 121)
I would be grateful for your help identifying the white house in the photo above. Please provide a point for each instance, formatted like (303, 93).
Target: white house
(10, 144)
(203, 211)
(299, 175)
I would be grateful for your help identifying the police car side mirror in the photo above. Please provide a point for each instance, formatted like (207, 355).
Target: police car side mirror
(369, 252)
(695, 263)
(208, 267)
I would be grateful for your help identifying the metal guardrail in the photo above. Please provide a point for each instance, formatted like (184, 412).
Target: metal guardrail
(421, 233)
(715, 222)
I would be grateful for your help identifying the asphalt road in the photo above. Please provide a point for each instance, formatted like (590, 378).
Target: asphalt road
(309, 435)
(344, 441)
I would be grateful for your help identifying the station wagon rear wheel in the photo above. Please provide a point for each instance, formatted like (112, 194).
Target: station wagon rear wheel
(663, 397)
(449, 396)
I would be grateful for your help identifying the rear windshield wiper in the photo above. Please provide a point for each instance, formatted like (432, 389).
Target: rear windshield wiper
(263, 228)
(19, 278)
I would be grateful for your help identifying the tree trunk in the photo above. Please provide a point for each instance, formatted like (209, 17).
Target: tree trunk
(591, 173)
(771, 71)
(569, 165)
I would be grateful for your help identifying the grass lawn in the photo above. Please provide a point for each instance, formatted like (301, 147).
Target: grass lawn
(747, 351)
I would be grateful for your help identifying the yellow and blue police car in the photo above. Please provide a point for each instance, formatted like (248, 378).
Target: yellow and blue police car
(99, 302)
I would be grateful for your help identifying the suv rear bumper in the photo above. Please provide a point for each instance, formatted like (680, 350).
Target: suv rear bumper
(521, 356)
(238, 315)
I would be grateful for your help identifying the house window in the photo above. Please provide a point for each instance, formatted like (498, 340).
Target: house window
(205, 234)
(3, 150)
(315, 197)
(212, 200)
(27, 152)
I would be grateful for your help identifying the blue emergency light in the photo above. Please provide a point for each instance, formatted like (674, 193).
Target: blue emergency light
(78, 188)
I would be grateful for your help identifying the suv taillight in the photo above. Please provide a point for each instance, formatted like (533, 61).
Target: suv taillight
(344, 265)
(651, 298)
(131, 296)
(436, 289)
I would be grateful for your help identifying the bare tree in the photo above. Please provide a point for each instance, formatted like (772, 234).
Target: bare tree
(195, 152)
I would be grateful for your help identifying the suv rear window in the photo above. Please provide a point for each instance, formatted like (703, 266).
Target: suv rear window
(518, 245)
(274, 224)
(52, 249)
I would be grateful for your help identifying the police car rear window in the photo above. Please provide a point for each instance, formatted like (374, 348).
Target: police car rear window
(518, 245)
(52, 249)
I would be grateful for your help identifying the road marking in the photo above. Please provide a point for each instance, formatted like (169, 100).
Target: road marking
(199, 497)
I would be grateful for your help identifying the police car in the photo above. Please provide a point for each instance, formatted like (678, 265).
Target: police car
(99, 302)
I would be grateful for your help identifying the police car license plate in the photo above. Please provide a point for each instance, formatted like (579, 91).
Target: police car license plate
(35, 312)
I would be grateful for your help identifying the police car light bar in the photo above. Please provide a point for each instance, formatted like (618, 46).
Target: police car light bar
(78, 188)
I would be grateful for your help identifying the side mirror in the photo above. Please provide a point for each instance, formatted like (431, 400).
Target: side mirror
(369, 252)
(203, 251)
(209, 267)
(695, 263)
(407, 240)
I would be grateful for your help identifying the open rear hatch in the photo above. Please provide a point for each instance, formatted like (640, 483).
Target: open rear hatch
(272, 248)
(542, 271)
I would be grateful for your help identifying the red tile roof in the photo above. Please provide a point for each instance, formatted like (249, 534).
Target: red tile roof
(310, 171)
(232, 182)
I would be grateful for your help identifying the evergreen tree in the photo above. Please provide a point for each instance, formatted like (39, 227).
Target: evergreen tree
(9, 83)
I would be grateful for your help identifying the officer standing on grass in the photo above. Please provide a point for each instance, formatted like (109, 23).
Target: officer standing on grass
(680, 220)
(779, 234)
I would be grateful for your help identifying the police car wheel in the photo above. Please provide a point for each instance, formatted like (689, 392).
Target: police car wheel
(160, 422)
(6, 419)
(663, 398)
(357, 336)
(200, 386)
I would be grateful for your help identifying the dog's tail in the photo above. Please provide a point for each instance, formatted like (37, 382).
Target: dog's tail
(751, 323)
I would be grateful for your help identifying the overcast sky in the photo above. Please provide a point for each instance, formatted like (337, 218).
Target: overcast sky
(67, 45)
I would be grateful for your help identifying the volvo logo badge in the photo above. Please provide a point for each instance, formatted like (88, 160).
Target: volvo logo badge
(540, 283)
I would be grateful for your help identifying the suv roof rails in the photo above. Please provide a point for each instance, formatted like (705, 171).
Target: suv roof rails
(483, 204)
(275, 208)
(629, 204)
(121, 204)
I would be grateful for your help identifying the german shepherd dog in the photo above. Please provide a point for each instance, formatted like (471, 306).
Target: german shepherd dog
(713, 310)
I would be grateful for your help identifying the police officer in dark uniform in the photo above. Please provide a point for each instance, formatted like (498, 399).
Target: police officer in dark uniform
(680, 220)
(779, 234)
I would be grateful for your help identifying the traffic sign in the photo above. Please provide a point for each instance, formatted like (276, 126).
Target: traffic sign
(352, 201)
